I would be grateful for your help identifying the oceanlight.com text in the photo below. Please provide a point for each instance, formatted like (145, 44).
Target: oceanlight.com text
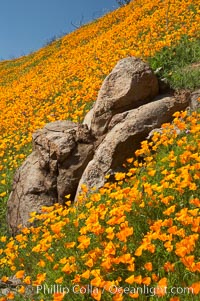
(113, 289)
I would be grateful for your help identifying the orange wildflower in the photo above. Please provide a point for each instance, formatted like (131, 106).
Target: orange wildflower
(20, 274)
(161, 288)
(96, 294)
(169, 267)
(130, 279)
(195, 288)
(59, 280)
(146, 280)
(118, 297)
(84, 242)
(148, 266)
(10, 296)
(86, 274)
(58, 296)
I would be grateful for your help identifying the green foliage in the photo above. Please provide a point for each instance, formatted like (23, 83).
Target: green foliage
(179, 64)
(156, 199)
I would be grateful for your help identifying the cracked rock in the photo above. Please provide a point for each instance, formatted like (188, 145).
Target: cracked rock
(62, 150)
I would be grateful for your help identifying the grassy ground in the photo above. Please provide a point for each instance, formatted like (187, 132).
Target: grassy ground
(179, 65)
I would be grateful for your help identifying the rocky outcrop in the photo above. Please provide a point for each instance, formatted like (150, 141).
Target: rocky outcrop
(64, 149)
(61, 152)
(126, 131)
(66, 154)
(130, 84)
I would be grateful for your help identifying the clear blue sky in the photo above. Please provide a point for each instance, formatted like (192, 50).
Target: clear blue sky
(26, 25)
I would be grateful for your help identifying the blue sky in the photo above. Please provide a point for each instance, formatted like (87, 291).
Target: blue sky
(26, 25)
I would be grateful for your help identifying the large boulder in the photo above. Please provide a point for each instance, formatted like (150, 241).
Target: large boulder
(62, 150)
(131, 84)
(29, 192)
(126, 131)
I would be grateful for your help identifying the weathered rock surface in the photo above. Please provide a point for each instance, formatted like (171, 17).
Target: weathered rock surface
(62, 150)
(29, 192)
(195, 100)
(126, 131)
(67, 154)
(131, 84)
(88, 118)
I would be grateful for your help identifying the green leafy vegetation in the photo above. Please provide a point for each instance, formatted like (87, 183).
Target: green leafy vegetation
(179, 65)
(140, 230)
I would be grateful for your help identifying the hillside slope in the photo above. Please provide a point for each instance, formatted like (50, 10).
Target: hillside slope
(135, 238)
(61, 80)
(141, 230)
